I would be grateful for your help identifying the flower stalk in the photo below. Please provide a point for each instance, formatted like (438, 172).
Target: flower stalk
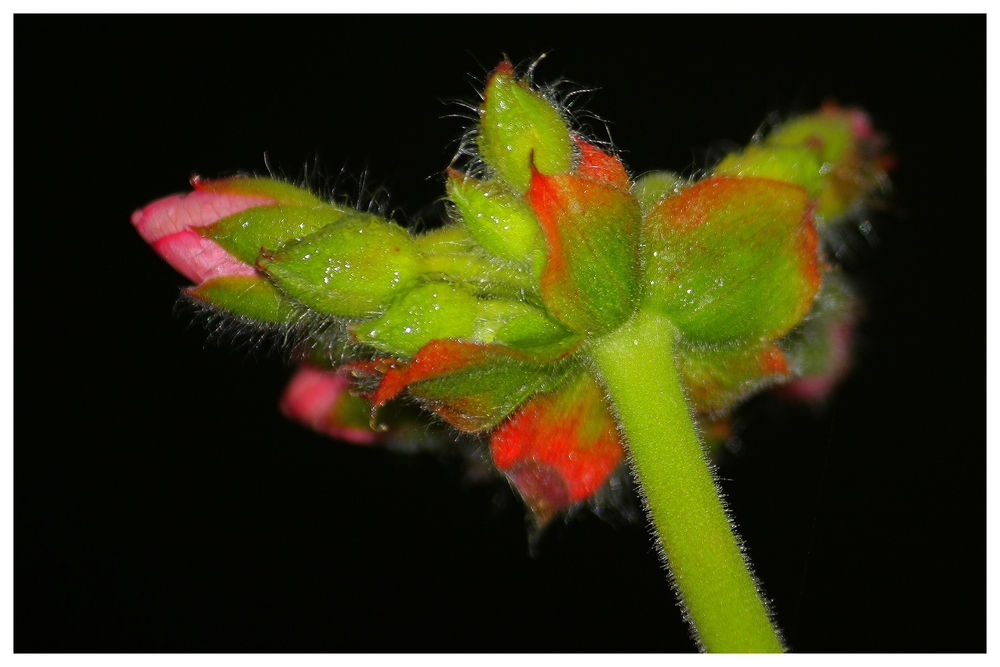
(719, 594)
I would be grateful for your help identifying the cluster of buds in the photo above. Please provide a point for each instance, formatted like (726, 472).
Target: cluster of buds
(550, 246)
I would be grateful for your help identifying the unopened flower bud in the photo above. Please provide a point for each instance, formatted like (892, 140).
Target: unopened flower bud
(834, 154)
(426, 312)
(321, 399)
(820, 349)
(500, 221)
(518, 127)
(801, 165)
(652, 188)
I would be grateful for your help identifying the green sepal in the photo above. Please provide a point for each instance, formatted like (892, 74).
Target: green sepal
(426, 312)
(592, 233)
(470, 385)
(279, 191)
(254, 297)
(518, 127)
(354, 267)
(719, 376)
(500, 221)
(801, 165)
(523, 327)
(652, 188)
(732, 259)
(245, 233)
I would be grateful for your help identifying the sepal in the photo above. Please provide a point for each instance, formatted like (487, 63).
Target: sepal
(559, 448)
(719, 376)
(422, 314)
(246, 233)
(472, 386)
(252, 296)
(592, 230)
(277, 191)
(596, 165)
(519, 129)
(733, 259)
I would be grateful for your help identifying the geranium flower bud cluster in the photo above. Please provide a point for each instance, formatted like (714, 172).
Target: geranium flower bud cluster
(551, 245)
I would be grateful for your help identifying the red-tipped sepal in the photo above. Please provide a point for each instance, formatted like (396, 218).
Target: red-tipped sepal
(719, 376)
(559, 448)
(733, 259)
(472, 386)
(590, 279)
(599, 166)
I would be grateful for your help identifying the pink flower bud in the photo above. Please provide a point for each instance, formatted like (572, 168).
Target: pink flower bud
(169, 225)
(816, 387)
(321, 400)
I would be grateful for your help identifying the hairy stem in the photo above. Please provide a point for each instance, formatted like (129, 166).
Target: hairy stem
(710, 574)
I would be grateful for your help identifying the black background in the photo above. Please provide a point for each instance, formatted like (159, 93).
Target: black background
(163, 504)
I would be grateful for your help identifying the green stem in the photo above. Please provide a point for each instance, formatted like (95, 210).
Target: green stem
(709, 572)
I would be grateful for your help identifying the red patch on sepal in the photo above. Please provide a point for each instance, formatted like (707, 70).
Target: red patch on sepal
(435, 359)
(597, 165)
(472, 386)
(559, 448)
(813, 267)
(590, 278)
(772, 361)
(504, 68)
(546, 201)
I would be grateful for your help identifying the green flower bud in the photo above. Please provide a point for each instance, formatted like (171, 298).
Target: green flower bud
(500, 221)
(450, 254)
(518, 127)
(353, 267)
(834, 154)
(426, 312)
